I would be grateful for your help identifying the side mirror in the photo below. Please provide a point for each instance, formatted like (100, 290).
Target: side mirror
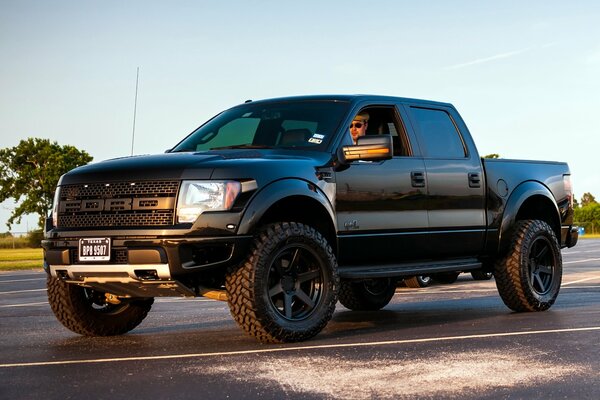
(369, 148)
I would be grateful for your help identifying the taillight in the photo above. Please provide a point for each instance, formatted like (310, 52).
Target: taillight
(568, 188)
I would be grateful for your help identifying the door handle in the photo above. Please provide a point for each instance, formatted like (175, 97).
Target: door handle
(474, 180)
(417, 179)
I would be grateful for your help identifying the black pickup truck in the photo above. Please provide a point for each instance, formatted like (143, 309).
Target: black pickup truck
(272, 207)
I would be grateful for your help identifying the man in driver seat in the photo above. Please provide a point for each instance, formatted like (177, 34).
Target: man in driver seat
(358, 127)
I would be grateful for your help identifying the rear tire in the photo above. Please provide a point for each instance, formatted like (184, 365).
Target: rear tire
(528, 277)
(367, 295)
(419, 281)
(85, 311)
(286, 290)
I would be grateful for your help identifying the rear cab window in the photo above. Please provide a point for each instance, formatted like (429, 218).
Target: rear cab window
(437, 133)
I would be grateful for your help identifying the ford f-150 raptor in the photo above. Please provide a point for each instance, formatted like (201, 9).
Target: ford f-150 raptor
(272, 207)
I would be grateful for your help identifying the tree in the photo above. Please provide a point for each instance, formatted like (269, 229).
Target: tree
(31, 171)
(587, 199)
(493, 155)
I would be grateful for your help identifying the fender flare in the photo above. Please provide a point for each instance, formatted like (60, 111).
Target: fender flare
(517, 198)
(279, 190)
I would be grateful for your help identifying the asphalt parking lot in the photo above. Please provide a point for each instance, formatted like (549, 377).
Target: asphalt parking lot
(444, 341)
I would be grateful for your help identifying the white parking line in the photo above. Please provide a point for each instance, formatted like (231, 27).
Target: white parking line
(9, 274)
(581, 261)
(24, 304)
(581, 280)
(298, 348)
(24, 291)
(23, 280)
(433, 290)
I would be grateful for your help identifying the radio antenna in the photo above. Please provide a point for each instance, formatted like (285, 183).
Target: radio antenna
(137, 78)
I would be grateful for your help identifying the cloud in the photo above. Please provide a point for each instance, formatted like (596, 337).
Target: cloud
(488, 59)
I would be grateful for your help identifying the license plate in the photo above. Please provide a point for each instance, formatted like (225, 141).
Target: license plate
(94, 249)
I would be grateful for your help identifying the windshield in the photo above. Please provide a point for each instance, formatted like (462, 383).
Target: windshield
(302, 124)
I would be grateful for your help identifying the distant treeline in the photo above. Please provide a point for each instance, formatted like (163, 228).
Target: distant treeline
(32, 240)
(587, 213)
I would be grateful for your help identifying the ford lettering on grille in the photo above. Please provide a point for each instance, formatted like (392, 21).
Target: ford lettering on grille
(117, 204)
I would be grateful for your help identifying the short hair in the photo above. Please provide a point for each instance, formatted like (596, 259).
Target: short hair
(362, 117)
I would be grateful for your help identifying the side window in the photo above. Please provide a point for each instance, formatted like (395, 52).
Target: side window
(384, 121)
(438, 135)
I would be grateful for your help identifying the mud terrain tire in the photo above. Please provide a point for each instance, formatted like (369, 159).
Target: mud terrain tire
(85, 311)
(286, 290)
(528, 277)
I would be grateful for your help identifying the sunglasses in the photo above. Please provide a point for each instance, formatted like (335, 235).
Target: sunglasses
(356, 125)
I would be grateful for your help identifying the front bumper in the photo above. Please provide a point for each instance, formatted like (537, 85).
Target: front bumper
(146, 267)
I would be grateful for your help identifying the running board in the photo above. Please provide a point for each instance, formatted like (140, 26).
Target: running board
(410, 269)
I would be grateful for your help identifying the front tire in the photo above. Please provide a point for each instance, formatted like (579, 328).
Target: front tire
(85, 311)
(367, 295)
(528, 277)
(286, 290)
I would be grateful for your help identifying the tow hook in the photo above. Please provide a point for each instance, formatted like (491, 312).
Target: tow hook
(214, 294)
(112, 299)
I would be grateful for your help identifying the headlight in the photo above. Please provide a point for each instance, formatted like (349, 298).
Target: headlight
(195, 197)
(55, 207)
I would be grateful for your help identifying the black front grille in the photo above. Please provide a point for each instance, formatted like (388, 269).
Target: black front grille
(119, 189)
(119, 256)
(118, 204)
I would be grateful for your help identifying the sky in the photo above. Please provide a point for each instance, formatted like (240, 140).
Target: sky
(525, 76)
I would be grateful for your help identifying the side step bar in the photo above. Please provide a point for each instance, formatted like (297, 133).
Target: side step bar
(410, 269)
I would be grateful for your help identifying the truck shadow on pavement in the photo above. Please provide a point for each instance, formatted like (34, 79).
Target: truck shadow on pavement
(447, 317)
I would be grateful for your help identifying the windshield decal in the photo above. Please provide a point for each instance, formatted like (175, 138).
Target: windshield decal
(316, 138)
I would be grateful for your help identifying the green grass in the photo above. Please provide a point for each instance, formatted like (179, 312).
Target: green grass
(590, 236)
(16, 259)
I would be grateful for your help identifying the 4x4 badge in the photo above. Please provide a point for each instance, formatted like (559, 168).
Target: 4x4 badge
(351, 224)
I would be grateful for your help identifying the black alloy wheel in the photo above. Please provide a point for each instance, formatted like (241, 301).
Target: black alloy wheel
(541, 266)
(295, 281)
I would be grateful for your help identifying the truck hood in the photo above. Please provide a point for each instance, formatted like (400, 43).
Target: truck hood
(222, 164)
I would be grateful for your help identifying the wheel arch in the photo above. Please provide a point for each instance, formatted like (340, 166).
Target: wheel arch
(530, 200)
(291, 200)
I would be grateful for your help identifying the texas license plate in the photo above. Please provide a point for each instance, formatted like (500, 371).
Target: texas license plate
(94, 249)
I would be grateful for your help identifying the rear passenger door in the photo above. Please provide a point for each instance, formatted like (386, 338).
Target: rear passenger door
(455, 181)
